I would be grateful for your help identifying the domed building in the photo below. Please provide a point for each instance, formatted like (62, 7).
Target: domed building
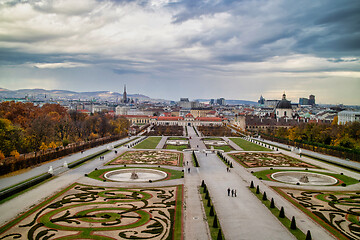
(283, 108)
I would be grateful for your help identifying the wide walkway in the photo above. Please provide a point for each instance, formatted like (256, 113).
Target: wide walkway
(56, 164)
(236, 214)
(243, 216)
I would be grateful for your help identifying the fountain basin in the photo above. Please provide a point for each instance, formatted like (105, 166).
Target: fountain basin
(143, 175)
(304, 178)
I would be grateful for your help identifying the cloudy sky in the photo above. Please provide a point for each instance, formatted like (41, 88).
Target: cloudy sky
(237, 49)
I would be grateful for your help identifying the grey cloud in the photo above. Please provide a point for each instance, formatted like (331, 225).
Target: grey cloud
(127, 71)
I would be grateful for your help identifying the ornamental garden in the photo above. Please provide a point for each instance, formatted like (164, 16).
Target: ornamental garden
(90, 212)
(149, 157)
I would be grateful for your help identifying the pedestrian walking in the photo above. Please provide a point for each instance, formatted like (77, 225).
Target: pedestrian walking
(235, 192)
(227, 169)
(205, 154)
(188, 170)
(232, 192)
(228, 192)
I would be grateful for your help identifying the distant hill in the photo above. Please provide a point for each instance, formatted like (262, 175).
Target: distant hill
(41, 94)
(231, 102)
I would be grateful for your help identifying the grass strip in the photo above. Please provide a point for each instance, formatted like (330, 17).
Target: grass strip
(149, 143)
(24, 186)
(224, 160)
(178, 233)
(197, 134)
(275, 211)
(210, 219)
(87, 158)
(121, 144)
(176, 147)
(248, 146)
(212, 139)
(195, 160)
(264, 175)
(225, 148)
(177, 138)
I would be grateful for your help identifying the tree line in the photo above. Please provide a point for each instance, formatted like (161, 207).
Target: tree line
(25, 127)
(332, 135)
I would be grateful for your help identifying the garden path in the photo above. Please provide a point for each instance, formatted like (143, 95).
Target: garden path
(232, 144)
(56, 164)
(161, 143)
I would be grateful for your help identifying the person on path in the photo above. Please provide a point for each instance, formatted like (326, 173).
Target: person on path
(232, 192)
(187, 163)
(227, 169)
(235, 192)
(229, 192)
(188, 170)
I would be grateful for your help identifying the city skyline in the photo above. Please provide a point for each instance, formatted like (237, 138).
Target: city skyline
(197, 49)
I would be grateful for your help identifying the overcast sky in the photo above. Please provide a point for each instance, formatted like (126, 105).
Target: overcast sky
(185, 48)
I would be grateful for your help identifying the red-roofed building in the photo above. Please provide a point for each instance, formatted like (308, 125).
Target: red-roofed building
(84, 111)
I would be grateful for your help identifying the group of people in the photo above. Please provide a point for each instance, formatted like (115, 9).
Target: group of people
(232, 191)
(228, 169)
(102, 157)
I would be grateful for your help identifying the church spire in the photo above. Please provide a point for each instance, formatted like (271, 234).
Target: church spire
(125, 95)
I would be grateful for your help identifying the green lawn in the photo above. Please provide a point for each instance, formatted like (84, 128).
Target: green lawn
(343, 179)
(212, 139)
(172, 174)
(226, 148)
(210, 219)
(177, 138)
(177, 147)
(149, 143)
(248, 146)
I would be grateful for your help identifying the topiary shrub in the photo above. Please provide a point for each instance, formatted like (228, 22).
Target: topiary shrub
(308, 235)
(264, 197)
(215, 223)
(257, 189)
(252, 184)
(293, 223)
(219, 236)
(282, 212)
(272, 203)
(211, 213)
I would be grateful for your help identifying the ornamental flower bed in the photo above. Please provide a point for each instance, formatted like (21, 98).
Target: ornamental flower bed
(149, 157)
(338, 212)
(268, 160)
(91, 212)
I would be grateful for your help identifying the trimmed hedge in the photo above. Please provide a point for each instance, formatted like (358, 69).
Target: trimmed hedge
(23, 186)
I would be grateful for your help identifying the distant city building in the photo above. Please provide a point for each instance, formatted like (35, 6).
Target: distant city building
(307, 101)
(283, 108)
(261, 100)
(271, 103)
(186, 104)
(348, 116)
(212, 101)
(221, 101)
(125, 98)
(303, 101)
(312, 100)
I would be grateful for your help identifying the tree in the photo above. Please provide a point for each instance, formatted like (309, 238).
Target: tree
(15, 154)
